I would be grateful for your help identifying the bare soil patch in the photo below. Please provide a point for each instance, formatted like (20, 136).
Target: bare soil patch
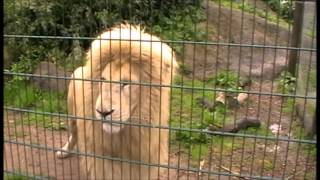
(237, 27)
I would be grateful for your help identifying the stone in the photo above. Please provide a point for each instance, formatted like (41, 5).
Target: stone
(47, 83)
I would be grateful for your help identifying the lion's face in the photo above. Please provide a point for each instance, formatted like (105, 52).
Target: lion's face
(113, 102)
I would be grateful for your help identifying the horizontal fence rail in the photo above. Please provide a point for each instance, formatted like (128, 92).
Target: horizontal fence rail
(165, 41)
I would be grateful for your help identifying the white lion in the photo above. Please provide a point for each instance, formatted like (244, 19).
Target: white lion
(136, 69)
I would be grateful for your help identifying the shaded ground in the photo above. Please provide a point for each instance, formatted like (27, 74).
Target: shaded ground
(237, 27)
(40, 159)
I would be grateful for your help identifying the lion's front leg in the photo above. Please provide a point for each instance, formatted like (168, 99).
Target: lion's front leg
(71, 141)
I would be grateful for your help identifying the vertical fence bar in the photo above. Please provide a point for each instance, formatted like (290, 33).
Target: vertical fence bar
(296, 36)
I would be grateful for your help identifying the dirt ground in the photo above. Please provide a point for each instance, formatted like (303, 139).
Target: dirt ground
(225, 26)
(255, 156)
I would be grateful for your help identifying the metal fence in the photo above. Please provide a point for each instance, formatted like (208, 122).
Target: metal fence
(240, 106)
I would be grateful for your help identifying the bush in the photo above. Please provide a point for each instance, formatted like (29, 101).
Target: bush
(284, 8)
(287, 83)
(227, 79)
(87, 18)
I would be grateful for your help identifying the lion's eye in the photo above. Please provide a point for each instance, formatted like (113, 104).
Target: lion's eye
(124, 83)
(102, 78)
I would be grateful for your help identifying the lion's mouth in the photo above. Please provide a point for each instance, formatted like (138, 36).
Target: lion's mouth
(110, 127)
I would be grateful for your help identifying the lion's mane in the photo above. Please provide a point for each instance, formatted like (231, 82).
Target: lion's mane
(134, 152)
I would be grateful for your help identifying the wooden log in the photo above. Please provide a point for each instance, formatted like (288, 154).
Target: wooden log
(239, 124)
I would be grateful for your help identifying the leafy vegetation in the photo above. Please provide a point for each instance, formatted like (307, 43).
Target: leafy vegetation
(284, 8)
(187, 114)
(286, 83)
(181, 25)
(227, 80)
(288, 105)
(171, 20)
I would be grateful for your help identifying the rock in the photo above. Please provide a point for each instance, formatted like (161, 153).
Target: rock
(47, 83)
(221, 97)
(242, 97)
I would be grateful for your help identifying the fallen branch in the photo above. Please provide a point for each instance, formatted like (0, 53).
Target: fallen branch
(233, 172)
(291, 176)
(242, 123)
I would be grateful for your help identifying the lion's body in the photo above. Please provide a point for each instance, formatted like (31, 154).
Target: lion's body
(144, 59)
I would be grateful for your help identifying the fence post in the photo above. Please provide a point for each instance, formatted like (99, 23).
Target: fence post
(307, 60)
(296, 36)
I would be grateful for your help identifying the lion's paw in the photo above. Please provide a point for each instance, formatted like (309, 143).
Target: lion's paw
(62, 154)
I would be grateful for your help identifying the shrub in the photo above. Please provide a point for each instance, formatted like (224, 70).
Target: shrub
(87, 18)
(284, 8)
(287, 83)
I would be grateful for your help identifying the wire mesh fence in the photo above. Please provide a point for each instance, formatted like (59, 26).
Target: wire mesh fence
(203, 89)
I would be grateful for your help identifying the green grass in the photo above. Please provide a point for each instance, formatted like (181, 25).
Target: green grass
(23, 176)
(288, 105)
(313, 79)
(298, 132)
(24, 95)
(15, 177)
(20, 94)
(268, 164)
(45, 121)
(186, 113)
(199, 152)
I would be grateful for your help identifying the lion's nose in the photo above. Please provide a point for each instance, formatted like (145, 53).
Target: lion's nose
(104, 113)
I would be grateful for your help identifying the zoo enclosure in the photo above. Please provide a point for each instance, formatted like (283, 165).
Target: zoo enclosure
(218, 50)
